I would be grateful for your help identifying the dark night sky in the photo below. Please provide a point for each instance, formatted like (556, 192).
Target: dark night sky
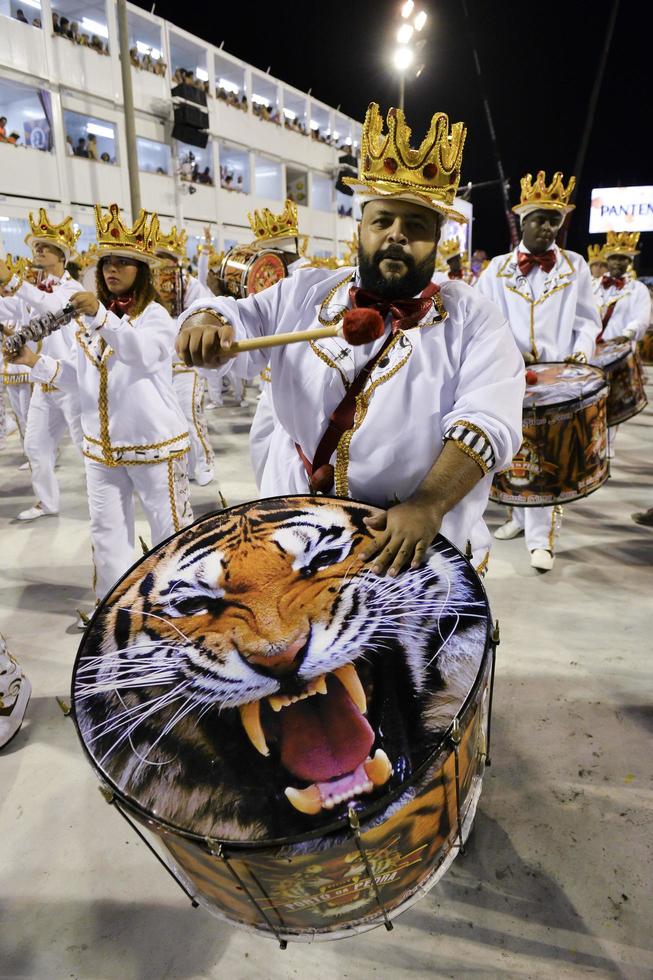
(539, 61)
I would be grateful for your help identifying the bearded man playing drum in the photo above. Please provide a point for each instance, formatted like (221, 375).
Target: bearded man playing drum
(418, 417)
(546, 294)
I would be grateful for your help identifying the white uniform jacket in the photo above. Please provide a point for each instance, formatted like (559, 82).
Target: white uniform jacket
(459, 363)
(631, 309)
(552, 315)
(123, 368)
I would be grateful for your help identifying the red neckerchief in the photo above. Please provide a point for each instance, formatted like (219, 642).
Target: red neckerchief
(456, 275)
(122, 305)
(617, 281)
(405, 313)
(527, 261)
(45, 287)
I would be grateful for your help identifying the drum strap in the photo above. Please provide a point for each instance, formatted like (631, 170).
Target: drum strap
(605, 320)
(320, 471)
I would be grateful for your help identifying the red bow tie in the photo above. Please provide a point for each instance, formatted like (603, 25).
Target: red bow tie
(617, 281)
(526, 261)
(45, 287)
(456, 275)
(405, 313)
(122, 305)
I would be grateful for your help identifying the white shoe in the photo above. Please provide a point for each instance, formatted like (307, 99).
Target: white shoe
(82, 620)
(243, 403)
(10, 427)
(202, 477)
(511, 529)
(33, 513)
(15, 691)
(24, 466)
(542, 560)
(210, 405)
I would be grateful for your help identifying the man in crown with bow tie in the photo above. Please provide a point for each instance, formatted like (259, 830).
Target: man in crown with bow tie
(51, 411)
(546, 294)
(624, 303)
(417, 418)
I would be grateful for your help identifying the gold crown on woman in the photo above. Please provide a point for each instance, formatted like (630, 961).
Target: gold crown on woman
(174, 243)
(621, 243)
(449, 248)
(63, 236)
(594, 253)
(267, 226)
(390, 167)
(540, 195)
(116, 238)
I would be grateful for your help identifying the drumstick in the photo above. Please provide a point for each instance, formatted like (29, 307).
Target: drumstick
(359, 326)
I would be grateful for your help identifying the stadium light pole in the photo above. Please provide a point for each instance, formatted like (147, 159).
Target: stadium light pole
(409, 40)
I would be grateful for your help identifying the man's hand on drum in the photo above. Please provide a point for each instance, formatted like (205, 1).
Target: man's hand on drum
(401, 536)
(204, 340)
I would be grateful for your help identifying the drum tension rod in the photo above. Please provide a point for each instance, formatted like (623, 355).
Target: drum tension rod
(64, 705)
(496, 640)
(455, 738)
(220, 852)
(109, 796)
(355, 827)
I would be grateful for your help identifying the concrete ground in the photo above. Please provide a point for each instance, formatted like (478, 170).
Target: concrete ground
(555, 879)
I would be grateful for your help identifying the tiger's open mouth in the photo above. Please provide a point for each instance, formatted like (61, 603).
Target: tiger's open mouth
(323, 739)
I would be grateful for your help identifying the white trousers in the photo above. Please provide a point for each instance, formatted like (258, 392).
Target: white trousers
(539, 524)
(189, 388)
(19, 399)
(163, 491)
(50, 414)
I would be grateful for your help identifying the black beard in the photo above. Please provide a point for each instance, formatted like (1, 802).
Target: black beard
(416, 277)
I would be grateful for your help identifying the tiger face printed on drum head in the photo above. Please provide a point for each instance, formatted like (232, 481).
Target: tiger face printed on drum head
(252, 678)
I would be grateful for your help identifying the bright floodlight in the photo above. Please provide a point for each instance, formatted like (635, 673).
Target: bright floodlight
(404, 33)
(407, 8)
(403, 58)
(420, 20)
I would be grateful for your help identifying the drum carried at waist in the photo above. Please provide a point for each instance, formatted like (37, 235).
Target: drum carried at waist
(246, 270)
(645, 348)
(304, 738)
(563, 456)
(624, 374)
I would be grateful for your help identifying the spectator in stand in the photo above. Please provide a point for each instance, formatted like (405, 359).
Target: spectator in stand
(205, 177)
(21, 16)
(36, 22)
(133, 57)
(105, 158)
(80, 149)
(13, 138)
(55, 22)
(70, 149)
(64, 26)
(3, 128)
(92, 147)
(97, 45)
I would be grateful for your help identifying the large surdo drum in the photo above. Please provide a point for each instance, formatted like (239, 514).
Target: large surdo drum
(623, 370)
(246, 270)
(563, 455)
(305, 739)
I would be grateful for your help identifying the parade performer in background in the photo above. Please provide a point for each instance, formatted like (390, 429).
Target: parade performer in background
(452, 252)
(421, 415)
(135, 434)
(278, 231)
(177, 290)
(598, 265)
(51, 410)
(624, 303)
(14, 376)
(546, 294)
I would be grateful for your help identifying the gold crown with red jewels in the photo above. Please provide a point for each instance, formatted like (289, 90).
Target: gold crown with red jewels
(621, 243)
(390, 167)
(174, 242)
(449, 248)
(63, 236)
(268, 227)
(594, 253)
(115, 238)
(552, 197)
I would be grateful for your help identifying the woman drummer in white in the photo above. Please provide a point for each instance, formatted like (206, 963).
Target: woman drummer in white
(135, 435)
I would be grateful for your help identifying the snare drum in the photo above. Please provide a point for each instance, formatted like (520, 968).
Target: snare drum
(246, 270)
(563, 456)
(623, 371)
(306, 740)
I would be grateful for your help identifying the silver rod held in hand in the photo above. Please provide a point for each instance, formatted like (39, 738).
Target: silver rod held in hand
(37, 328)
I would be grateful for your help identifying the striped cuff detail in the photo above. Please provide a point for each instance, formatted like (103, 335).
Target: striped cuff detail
(473, 442)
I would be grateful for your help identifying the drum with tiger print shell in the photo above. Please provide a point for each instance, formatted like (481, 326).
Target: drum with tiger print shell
(255, 696)
(563, 455)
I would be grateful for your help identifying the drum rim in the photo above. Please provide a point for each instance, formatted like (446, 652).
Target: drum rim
(602, 380)
(325, 830)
